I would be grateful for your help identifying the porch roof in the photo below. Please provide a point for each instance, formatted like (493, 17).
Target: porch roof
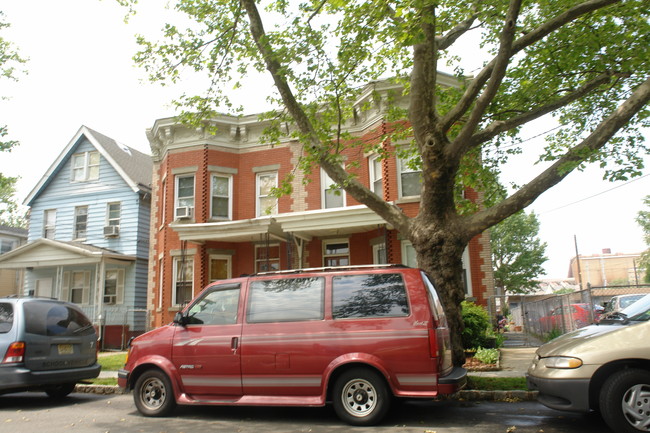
(304, 225)
(44, 253)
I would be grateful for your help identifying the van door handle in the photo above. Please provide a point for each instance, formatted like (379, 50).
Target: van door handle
(234, 344)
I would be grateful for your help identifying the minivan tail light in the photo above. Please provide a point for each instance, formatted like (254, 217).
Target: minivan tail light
(15, 353)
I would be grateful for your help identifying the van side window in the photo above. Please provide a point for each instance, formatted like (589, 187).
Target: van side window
(373, 295)
(218, 307)
(286, 300)
(6, 317)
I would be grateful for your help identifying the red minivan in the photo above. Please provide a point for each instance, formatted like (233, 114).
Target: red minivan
(353, 336)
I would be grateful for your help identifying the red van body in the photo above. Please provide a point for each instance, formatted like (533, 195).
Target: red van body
(352, 336)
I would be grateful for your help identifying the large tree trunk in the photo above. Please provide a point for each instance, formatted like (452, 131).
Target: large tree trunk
(440, 254)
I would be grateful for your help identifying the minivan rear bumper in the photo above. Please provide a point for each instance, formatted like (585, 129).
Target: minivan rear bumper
(18, 377)
(453, 382)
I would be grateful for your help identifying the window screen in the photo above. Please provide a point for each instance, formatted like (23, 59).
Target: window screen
(286, 300)
(375, 295)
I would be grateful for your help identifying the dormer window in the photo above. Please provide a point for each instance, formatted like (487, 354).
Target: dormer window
(85, 166)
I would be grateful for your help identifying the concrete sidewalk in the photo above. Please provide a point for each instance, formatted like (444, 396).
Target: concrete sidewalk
(514, 362)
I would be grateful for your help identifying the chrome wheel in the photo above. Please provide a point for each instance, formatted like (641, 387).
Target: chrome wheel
(359, 397)
(636, 407)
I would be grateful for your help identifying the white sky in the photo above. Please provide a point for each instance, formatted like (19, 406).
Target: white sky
(81, 73)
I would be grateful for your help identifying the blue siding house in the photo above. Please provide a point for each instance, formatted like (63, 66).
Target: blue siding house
(88, 239)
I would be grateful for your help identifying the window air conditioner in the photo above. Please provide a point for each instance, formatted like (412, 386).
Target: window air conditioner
(111, 231)
(183, 212)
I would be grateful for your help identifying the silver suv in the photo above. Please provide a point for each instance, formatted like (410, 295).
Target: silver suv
(45, 345)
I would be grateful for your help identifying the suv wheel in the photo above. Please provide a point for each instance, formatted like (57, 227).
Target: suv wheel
(625, 401)
(361, 397)
(153, 394)
(60, 391)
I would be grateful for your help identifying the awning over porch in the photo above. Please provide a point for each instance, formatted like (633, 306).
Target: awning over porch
(44, 253)
(304, 225)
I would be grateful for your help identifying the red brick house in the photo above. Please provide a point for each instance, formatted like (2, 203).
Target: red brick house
(213, 218)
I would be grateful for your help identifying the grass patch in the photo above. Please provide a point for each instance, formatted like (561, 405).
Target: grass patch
(112, 362)
(101, 381)
(496, 383)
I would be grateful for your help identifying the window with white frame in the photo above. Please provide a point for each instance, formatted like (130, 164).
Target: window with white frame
(49, 224)
(80, 222)
(113, 214)
(85, 166)
(267, 204)
(267, 258)
(79, 287)
(221, 206)
(336, 252)
(114, 286)
(220, 267)
(183, 280)
(185, 191)
(409, 258)
(374, 171)
(331, 196)
(379, 254)
(6, 245)
(410, 178)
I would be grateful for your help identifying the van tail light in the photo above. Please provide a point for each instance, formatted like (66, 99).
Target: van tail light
(15, 353)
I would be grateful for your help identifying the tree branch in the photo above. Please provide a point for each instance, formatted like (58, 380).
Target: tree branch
(501, 62)
(391, 213)
(452, 35)
(472, 91)
(497, 127)
(482, 220)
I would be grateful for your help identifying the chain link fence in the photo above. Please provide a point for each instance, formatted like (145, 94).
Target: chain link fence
(548, 317)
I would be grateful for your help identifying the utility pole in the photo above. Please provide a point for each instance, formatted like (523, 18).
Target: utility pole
(575, 241)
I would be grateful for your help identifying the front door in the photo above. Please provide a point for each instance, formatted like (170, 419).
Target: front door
(206, 351)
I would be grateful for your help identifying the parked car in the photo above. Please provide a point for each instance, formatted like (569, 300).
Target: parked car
(603, 367)
(620, 302)
(46, 345)
(569, 317)
(355, 336)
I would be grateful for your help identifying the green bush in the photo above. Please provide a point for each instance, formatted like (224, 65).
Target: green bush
(477, 325)
(487, 356)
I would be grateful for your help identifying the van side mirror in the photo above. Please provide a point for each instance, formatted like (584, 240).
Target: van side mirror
(180, 319)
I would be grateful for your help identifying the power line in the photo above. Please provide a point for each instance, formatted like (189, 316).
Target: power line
(595, 195)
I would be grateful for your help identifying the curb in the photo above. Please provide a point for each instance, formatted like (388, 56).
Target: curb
(99, 389)
(463, 395)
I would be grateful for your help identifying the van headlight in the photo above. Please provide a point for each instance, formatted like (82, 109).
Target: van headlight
(562, 362)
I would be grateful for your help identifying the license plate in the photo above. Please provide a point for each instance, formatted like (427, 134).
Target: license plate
(65, 349)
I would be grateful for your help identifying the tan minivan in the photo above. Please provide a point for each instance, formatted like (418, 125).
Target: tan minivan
(602, 367)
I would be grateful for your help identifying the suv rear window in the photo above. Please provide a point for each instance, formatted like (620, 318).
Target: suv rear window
(373, 295)
(286, 300)
(6, 317)
(49, 318)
